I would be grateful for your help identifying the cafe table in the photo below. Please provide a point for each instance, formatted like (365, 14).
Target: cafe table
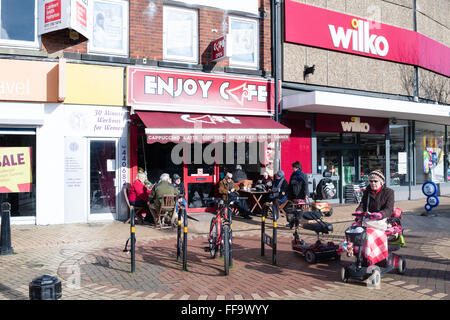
(255, 197)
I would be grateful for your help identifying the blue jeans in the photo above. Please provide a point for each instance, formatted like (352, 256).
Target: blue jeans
(274, 207)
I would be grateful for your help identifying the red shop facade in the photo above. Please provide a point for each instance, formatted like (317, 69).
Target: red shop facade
(347, 146)
(200, 126)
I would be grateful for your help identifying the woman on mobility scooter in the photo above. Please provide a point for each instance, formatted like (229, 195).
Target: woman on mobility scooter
(368, 236)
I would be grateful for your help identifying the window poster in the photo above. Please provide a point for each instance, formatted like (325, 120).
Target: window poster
(15, 169)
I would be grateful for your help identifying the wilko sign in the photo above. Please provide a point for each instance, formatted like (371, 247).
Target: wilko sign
(349, 124)
(322, 28)
(159, 90)
(220, 49)
(355, 125)
(62, 14)
(362, 40)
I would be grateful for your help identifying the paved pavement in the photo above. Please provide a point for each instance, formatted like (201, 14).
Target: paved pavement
(89, 260)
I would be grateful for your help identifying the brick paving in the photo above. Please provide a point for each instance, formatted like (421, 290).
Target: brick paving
(88, 259)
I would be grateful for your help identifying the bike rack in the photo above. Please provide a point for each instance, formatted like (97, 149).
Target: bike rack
(268, 240)
(185, 230)
(132, 240)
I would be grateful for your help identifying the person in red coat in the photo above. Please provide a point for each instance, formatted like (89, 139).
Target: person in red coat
(139, 192)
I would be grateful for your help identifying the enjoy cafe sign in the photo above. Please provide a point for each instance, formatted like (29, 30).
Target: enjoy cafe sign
(322, 28)
(160, 90)
(15, 169)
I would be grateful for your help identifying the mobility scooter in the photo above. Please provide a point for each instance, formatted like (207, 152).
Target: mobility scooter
(318, 250)
(356, 237)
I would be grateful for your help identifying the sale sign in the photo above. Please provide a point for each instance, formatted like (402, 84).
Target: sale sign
(15, 169)
(160, 90)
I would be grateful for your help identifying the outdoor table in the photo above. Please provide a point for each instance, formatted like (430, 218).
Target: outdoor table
(254, 195)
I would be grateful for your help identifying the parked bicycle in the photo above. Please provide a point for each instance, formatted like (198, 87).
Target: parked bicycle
(220, 231)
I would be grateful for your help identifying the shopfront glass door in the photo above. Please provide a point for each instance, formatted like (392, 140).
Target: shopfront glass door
(103, 186)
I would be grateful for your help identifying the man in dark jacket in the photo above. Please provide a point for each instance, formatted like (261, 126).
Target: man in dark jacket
(279, 191)
(298, 183)
(181, 191)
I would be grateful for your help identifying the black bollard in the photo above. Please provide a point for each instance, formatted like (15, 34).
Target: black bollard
(45, 287)
(5, 238)
(133, 240)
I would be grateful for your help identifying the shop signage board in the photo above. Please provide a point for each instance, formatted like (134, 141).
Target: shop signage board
(61, 14)
(15, 169)
(351, 124)
(322, 28)
(95, 121)
(220, 49)
(160, 90)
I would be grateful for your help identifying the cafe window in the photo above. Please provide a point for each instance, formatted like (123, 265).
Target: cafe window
(399, 139)
(18, 22)
(180, 34)
(18, 171)
(429, 152)
(110, 27)
(244, 42)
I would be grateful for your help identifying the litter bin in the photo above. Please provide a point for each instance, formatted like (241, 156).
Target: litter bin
(45, 287)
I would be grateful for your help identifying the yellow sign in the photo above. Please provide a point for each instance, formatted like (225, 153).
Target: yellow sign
(15, 169)
(98, 85)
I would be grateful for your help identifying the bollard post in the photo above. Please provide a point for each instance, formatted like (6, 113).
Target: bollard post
(185, 240)
(274, 246)
(231, 238)
(179, 249)
(5, 238)
(263, 231)
(133, 240)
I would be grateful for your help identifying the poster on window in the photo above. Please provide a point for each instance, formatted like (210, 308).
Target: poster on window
(433, 157)
(108, 27)
(243, 38)
(15, 169)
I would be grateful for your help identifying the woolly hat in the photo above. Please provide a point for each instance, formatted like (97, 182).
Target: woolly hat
(280, 173)
(378, 174)
(176, 176)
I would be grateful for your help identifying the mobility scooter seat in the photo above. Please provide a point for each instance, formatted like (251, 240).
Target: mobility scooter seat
(312, 215)
(318, 227)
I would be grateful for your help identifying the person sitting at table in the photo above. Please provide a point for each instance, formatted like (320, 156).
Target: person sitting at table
(139, 193)
(182, 194)
(279, 191)
(228, 190)
(239, 174)
(265, 181)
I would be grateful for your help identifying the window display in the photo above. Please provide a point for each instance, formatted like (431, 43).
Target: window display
(430, 152)
(18, 172)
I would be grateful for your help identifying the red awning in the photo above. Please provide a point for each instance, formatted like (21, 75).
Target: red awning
(166, 127)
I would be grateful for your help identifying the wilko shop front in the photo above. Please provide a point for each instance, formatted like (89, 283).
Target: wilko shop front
(200, 126)
(348, 147)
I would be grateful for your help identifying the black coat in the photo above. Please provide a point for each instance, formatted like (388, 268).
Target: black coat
(298, 185)
(382, 202)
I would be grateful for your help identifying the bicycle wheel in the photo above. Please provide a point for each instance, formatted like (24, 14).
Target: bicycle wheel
(212, 240)
(226, 248)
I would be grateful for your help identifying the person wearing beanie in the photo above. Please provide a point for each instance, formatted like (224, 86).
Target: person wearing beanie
(176, 182)
(379, 197)
(279, 190)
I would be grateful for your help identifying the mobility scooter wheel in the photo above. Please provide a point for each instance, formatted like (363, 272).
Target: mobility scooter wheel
(344, 276)
(401, 266)
(375, 278)
(310, 257)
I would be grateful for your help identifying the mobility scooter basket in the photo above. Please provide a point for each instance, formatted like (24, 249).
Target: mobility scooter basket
(356, 235)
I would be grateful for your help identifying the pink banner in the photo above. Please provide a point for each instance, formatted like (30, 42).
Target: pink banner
(317, 27)
(159, 90)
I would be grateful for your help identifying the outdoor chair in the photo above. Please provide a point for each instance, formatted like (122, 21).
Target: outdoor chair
(166, 211)
(139, 211)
